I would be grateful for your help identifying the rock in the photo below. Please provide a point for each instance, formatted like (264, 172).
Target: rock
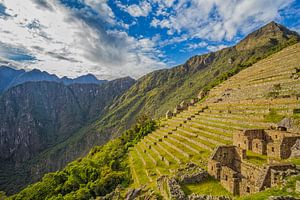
(207, 197)
(286, 124)
(295, 150)
(281, 198)
(191, 173)
(133, 193)
(170, 188)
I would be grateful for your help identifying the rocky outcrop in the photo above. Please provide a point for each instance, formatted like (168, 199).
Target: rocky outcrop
(191, 173)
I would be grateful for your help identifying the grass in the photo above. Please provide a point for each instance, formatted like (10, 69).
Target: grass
(256, 158)
(208, 187)
(295, 161)
(273, 116)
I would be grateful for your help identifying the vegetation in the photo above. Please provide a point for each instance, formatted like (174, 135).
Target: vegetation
(256, 158)
(273, 116)
(97, 174)
(208, 187)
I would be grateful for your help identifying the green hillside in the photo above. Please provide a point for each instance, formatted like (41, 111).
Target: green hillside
(161, 90)
(142, 155)
(190, 136)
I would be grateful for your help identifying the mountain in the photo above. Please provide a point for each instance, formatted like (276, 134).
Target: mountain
(7, 75)
(172, 159)
(159, 91)
(11, 77)
(89, 78)
(35, 116)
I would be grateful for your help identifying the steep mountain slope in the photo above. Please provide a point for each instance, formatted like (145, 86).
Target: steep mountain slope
(161, 90)
(257, 97)
(246, 100)
(11, 77)
(35, 116)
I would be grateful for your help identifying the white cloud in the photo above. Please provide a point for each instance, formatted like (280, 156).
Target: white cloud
(193, 46)
(137, 10)
(219, 19)
(216, 48)
(66, 44)
(103, 9)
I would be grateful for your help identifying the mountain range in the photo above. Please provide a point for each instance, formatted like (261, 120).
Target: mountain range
(45, 125)
(10, 77)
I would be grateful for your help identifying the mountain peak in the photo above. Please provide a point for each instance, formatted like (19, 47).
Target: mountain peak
(270, 34)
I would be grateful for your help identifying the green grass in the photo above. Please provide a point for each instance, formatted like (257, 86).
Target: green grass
(273, 116)
(256, 158)
(208, 187)
(295, 161)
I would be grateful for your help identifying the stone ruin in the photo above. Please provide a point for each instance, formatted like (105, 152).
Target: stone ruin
(230, 166)
(295, 150)
(202, 94)
(170, 187)
(169, 114)
(273, 143)
(191, 173)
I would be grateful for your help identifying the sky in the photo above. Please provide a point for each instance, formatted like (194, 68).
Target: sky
(117, 38)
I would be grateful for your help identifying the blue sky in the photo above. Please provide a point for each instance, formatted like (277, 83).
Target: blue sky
(119, 38)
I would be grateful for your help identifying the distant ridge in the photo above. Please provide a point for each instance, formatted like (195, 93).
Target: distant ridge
(10, 77)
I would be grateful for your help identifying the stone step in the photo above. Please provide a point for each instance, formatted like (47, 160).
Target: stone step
(201, 145)
(158, 153)
(165, 137)
(133, 171)
(207, 137)
(175, 158)
(204, 125)
(185, 145)
(211, 132)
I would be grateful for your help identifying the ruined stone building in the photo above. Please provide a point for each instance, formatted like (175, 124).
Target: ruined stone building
(273, 143)
(230, 166)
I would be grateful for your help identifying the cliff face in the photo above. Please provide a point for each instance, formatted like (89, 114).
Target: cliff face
(35, 116)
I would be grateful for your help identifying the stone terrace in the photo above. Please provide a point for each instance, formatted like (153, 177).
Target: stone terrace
(242, 102)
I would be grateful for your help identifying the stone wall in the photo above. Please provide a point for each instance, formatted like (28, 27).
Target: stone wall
(191, 173)
(230, 180)
(286, 146)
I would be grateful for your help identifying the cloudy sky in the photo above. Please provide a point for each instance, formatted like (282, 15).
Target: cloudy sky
(116, 38)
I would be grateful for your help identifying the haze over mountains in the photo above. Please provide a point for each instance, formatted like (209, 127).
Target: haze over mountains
(10, 77)
(47, 122)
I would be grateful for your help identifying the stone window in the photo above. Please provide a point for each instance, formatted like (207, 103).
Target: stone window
(248, 189)
(276, 136)
(212, 168)
(272, 149)
(256, 145)
(226, 177)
